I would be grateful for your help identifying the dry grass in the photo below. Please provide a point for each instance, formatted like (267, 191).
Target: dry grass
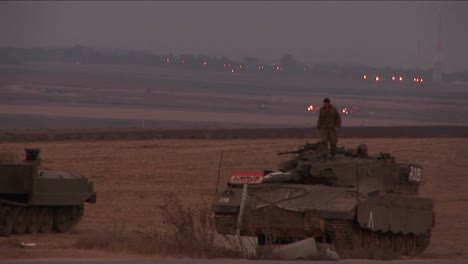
(189, 232)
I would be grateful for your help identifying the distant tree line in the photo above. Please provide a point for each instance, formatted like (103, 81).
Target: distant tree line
(287, 64)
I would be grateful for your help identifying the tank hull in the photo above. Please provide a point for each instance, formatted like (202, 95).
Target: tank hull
(35, 200)
(284, 213)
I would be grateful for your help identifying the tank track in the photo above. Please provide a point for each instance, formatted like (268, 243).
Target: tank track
(16, 219)
(348, 235)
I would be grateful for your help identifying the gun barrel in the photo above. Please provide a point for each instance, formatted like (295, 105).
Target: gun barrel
(288, 152)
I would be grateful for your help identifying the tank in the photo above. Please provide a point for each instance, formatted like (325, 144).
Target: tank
(354, 201)
(33, 199)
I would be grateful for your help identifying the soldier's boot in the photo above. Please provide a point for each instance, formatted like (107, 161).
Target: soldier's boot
(332, 152)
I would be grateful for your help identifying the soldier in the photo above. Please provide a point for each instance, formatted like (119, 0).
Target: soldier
(329, 121)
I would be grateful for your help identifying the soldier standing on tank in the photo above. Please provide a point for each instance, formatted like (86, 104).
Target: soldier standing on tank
(328, 123)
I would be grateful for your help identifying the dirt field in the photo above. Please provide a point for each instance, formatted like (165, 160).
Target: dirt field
(133, 177)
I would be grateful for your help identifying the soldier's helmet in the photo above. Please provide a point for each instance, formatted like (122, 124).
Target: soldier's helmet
(362, 150)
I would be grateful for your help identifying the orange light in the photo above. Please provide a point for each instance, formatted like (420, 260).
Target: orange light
(310, 108)
(401, 78)
(364, 77)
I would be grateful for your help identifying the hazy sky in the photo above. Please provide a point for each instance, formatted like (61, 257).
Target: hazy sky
(375, 33)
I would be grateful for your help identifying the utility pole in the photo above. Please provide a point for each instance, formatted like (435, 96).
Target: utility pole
(437, 70)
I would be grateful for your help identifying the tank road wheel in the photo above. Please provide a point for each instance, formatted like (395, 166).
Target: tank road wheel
(399, 243)
(358, 235)
(63, 219)
(7, 219)
(377, 239)
(410, 244)
(367, 237)
(47, 220)
(76, 215)
(34, 220)
(21, 220)
(422, 242)
(387, 241)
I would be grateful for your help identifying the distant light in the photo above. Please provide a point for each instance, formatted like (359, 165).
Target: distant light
(182, 61)
(205, 63)
(377, 78)
(364, 77)
(422, 80)
(310, 108)
(393, 78)
(233, 71)
(401, 78)
(168, 60)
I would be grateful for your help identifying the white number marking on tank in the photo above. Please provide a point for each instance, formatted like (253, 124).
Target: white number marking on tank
(370, 222)
(224, 200)
(415, 174)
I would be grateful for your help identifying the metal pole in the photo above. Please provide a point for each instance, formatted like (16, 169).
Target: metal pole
(241, 210)
(219, 171)
(357, 179)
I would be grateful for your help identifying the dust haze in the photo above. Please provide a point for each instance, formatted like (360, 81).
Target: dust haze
(397, 34)
(231, 64)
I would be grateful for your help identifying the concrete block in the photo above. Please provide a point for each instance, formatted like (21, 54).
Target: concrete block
(298, 250)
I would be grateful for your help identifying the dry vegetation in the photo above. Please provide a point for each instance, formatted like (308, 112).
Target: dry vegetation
(189, 232)
(136, 181)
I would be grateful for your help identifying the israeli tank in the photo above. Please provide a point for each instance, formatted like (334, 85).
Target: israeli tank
(355, 201)
(33, 199)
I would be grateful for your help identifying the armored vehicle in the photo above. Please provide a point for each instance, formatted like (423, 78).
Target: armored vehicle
(33, 199)
(353, 201)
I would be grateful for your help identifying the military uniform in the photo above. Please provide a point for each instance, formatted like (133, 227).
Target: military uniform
(329, 119)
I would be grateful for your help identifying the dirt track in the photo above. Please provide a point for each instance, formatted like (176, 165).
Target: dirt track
(132, 177)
